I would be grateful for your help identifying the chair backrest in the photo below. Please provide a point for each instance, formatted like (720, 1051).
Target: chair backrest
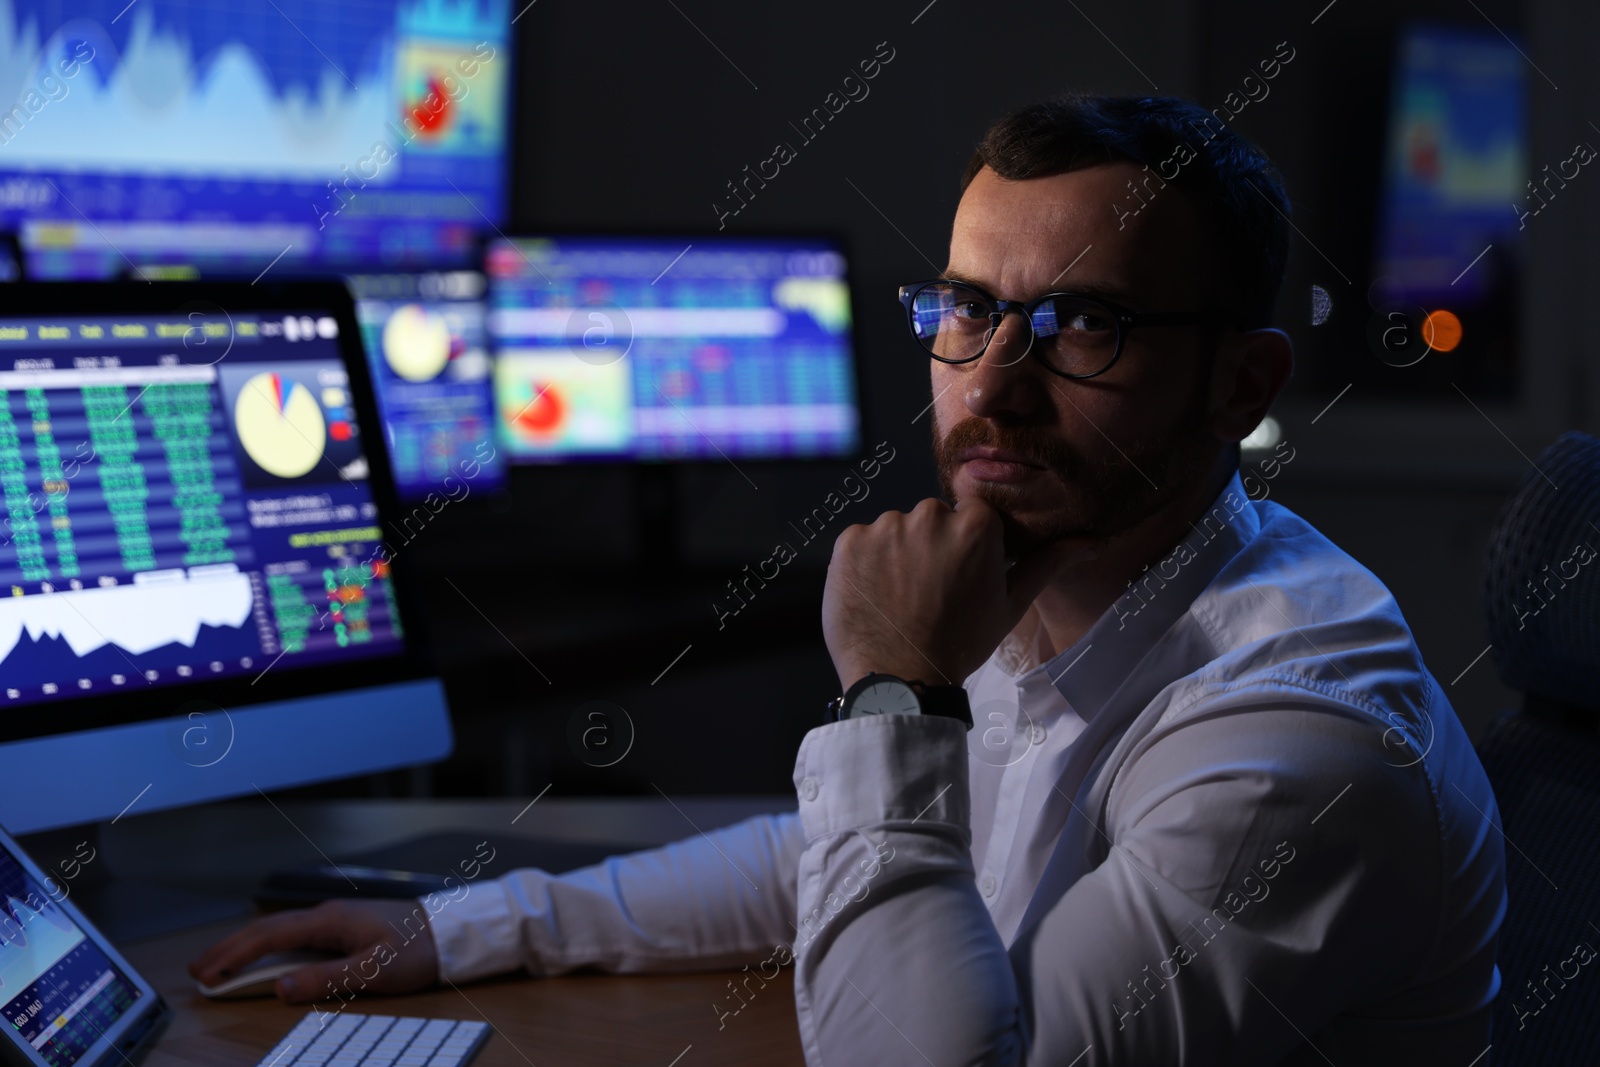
(1541, 599)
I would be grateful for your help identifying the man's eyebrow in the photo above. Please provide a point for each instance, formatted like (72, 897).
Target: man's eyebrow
(1104, 291)
(965, 279)
(1110, 293)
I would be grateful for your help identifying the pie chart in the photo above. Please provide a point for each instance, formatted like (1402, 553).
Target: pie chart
(543, 415)
(279, 425)
(416, 343)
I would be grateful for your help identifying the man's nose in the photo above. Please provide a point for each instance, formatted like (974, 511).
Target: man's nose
(1003, 381)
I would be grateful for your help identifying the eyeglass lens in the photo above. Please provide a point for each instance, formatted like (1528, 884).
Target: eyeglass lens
(955, 323)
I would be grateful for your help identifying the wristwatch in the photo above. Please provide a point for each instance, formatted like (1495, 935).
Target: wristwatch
(885, 694)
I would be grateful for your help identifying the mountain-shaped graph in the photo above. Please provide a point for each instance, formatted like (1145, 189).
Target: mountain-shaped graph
(208, 99)
(32, 939)
(136, 618)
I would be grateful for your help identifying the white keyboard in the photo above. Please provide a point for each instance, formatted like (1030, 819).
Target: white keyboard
(352, 1040)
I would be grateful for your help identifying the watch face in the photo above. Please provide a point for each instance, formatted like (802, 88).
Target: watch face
(888, 697)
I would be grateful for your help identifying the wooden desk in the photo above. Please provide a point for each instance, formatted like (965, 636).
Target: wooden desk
(588, 1020)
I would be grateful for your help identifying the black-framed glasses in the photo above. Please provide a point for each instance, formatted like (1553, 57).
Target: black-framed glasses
(1073, 335)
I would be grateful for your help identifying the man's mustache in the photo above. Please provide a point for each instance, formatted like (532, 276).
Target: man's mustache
(1035, 445)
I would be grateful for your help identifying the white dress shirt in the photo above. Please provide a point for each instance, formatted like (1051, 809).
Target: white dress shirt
(1237, 822)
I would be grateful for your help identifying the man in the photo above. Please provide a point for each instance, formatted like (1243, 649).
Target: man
(1213, 809)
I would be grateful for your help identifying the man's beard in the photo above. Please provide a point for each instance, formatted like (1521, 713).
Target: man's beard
(1104, 499)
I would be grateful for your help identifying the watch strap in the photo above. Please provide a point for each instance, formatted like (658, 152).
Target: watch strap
(947, 700)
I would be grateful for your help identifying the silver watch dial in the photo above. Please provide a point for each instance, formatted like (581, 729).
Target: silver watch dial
(888, 697)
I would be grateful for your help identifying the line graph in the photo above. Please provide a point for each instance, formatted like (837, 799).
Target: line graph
(137, 618)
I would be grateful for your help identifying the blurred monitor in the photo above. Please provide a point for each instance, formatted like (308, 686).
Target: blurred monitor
(1454, 204)
(429, 357)
(700, 347)
(234, 137)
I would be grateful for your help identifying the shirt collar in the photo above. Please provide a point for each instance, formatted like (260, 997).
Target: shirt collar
(1087, 673)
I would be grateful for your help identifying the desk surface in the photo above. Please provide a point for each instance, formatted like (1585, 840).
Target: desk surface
(588, 1020)
(593, 1020)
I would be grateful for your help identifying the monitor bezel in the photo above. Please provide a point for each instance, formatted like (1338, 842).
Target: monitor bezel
(837, 238)
(412, 661)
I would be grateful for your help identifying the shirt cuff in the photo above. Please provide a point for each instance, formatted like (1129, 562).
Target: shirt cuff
(476, 935)
(882, 769)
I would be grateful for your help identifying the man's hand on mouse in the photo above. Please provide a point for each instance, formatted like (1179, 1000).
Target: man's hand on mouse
(372, 934)
(927, 595)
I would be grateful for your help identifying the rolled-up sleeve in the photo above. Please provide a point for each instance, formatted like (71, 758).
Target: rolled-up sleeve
(1260, 871)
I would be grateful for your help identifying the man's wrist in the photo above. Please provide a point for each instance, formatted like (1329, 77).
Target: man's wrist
(849, 676)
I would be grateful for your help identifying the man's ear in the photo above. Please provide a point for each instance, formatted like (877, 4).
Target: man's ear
(1249, 372)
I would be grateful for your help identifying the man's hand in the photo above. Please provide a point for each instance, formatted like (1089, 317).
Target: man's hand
(927, 594)
(372, 934)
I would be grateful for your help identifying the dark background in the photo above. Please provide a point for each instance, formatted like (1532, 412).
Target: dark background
(586, 583)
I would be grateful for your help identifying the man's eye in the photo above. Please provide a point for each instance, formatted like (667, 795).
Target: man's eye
(1088, 322)
(971, 309)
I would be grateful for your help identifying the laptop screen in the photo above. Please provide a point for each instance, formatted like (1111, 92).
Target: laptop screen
(59, 991)
(186, 497)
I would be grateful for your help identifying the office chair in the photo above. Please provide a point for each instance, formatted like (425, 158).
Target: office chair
(1541, 598)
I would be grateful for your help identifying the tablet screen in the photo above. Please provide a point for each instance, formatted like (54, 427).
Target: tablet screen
(59, 992)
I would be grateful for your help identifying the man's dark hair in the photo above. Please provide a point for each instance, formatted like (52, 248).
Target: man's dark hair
(1236, 191)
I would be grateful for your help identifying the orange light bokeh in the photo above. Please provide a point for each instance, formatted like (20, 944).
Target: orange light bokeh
(1441, 330)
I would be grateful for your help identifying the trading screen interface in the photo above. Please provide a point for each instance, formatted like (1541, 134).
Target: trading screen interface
(185, 497)
(227, 134)
(1455, 169)
(661, 349)
(58, 991)
(425, 342)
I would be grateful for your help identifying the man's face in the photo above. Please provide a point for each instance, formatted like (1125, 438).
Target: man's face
(1101, 453)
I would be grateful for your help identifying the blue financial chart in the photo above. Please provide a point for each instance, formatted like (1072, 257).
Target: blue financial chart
(227, 134)
(661, 349)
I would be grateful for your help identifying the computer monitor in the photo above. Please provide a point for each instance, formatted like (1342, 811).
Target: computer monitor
(202, 596)
(1455, 203)
(695, 347)
(237, 136)
(429, 358)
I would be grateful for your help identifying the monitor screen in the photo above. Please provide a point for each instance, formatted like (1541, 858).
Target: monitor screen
(1455, 166)
(231, 136)
(1454, 207)
(189, 496)
(429, 358)
(659, 348)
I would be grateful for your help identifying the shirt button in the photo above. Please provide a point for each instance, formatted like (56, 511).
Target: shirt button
(988, 885)
(1036, 735)
(808, 787)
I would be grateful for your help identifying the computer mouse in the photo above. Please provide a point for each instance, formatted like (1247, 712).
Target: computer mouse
(257, 977)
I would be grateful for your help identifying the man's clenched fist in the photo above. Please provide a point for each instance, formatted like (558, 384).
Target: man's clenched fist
(927, 594)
